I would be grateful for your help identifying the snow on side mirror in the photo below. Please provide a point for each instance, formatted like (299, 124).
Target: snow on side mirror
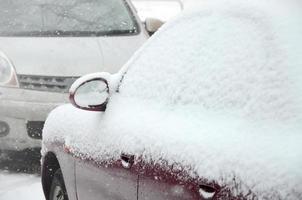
(152, 25)
(90, 92)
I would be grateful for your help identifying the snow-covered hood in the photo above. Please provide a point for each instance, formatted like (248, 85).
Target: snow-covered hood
(52, 56)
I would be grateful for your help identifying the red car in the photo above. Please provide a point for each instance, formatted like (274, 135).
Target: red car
(209, 108)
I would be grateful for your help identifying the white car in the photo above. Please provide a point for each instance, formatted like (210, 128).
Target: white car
(45, 46)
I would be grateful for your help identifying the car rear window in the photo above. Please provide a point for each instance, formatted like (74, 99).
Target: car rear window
(66, 18)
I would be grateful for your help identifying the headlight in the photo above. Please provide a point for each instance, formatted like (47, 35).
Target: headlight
(8, 75)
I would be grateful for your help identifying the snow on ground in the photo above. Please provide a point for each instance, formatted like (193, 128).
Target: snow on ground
(20, 186)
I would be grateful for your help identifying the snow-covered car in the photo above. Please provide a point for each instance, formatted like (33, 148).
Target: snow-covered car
(209, 108)
(45, 46)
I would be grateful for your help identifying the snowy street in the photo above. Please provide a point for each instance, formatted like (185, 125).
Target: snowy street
(20, 186)
(19, 176)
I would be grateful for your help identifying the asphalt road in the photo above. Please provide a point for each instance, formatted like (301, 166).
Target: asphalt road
(20, 175)
(27, 161)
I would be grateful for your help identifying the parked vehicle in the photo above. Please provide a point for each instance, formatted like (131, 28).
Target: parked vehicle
(45, 46)
(208, 108)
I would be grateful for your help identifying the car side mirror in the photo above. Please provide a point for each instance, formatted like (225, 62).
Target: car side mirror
(152, 25)
(90, 92)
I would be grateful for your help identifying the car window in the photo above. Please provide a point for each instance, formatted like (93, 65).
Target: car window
(65, 18)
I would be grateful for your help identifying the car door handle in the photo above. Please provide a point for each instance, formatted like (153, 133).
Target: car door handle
(208, 192)
(127, 160)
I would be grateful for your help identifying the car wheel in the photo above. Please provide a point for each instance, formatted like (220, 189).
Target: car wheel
(58, 189)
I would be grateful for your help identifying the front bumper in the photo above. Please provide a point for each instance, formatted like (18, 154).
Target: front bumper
(19, 108)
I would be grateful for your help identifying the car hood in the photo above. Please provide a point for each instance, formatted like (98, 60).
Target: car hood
(53, 56)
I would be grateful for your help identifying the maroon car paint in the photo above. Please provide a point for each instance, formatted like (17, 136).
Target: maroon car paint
(87, 178)
(109, 180)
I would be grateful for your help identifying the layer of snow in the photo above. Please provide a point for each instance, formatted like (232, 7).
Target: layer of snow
(218, 90)
(20, 186)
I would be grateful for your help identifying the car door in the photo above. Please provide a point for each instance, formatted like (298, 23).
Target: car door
(116, 180)
(158, 181)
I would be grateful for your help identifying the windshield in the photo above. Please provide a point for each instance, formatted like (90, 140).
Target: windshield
(65, 18)
(232, 68)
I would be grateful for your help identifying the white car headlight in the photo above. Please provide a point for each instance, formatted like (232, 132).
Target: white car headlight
(8, 75)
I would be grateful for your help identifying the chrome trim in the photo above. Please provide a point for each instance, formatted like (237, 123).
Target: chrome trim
(46, 83)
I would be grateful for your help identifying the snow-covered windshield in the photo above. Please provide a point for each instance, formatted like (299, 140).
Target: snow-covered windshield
(65, 18)
(230, 62)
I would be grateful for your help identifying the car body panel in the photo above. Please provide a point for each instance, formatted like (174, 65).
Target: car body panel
(68, 168)
(58, 56)
(87, 179)
(162, 182)
(69, 56)
(105, 181)
(18, 106)
(29, 104)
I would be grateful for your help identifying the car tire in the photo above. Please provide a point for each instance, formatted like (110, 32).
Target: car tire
(58, 189)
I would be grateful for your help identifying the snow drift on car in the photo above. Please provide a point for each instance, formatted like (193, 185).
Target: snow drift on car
(217, 91)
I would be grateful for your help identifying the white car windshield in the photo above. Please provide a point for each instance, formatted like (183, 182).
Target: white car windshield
(231, 67)
(66, 18)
